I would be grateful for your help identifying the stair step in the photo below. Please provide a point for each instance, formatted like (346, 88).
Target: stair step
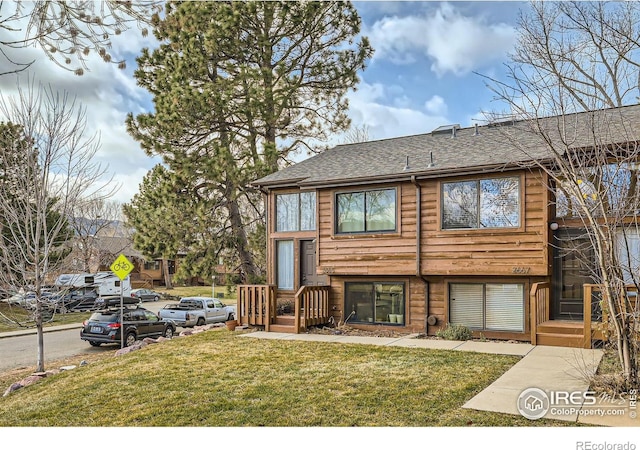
(282, 328)
(560, 340)
(285, 320)
(557, 327)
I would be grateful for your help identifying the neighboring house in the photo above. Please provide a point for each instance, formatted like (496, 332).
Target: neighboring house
(420, 231)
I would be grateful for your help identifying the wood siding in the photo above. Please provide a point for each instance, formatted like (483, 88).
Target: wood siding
(388, 253)
(499, 252)
(519, 255)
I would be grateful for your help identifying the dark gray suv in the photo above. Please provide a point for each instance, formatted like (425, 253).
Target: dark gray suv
(105, 326)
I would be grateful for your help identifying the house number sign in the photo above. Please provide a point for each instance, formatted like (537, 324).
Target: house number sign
(520, 270)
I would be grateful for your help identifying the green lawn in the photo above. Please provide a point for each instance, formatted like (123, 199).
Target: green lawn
(220, 379)
(25, 318)
(201, 291)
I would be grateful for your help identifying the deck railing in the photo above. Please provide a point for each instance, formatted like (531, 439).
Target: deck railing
(256, 305)
(312, 307)
(598, 329)
(539, 304)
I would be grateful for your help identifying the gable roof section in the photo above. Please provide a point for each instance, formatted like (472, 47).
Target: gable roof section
(471, 150)
(117, 244)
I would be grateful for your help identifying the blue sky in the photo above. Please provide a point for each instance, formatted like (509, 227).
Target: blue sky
(420, 77)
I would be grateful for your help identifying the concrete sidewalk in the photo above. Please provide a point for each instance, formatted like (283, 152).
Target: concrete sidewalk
(550, 369)
(29, 331)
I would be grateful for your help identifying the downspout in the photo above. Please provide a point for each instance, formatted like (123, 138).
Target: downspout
(418, 245)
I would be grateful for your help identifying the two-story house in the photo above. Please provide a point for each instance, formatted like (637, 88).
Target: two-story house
(453, 226)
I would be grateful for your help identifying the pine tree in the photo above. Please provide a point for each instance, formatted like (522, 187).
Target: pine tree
(239, 89)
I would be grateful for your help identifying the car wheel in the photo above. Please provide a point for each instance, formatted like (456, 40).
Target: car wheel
(94, 343)
(62, 310)
(130, 339)
(156, 298)
(200, 321)
(231, 317)
(168, 333)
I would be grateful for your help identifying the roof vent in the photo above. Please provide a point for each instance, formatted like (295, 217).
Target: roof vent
(506, 120)
(406, 165)
(476, 132)
(431, 163)
(447, 129)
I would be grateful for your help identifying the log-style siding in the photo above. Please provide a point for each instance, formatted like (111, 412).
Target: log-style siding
(521, 251)
(520, 254)
(388, 253)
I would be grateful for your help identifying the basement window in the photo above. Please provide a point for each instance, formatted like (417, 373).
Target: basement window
(375, 303)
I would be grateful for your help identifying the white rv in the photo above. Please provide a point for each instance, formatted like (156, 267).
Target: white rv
(102, 283)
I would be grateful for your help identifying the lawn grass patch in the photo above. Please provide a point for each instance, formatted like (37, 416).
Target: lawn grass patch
(25, 317)
(220, 379)
(201, 291)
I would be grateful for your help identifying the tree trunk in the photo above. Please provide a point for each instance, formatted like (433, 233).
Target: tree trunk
(248, 267)
(40, 337)
(167, 276)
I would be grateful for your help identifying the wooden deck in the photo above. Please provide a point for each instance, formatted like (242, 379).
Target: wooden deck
(257, 306)
(563, 333)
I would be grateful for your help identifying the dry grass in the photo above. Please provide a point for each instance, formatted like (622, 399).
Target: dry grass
(25, 318)
(220, 379)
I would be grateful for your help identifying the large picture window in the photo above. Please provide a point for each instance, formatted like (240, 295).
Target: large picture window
(375, 302)
(296, 212)
(484, 203)
(367, 211)
(487, 306)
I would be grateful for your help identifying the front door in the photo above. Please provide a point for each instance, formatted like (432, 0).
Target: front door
(308, 276)
(573, 260)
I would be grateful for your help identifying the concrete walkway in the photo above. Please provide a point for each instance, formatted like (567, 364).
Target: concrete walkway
(549, 369)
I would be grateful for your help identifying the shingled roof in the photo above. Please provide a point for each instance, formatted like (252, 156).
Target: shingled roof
(454, 150)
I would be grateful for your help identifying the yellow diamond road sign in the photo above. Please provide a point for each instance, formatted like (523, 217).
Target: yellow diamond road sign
(121, 267)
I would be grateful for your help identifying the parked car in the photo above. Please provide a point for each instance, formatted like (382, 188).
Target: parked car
(145, 295)
(74, 301)
(114, 300)
(105, 326)
(191, 311)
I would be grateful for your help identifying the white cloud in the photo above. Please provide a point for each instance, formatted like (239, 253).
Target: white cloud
(367, 107)
(454, 43)
(436, 105)
(107, 93)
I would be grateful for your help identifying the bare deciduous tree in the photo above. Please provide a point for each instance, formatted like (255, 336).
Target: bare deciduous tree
(54, 173)
(68, 31)
(577, 57)
(92, 217)
(357, 133)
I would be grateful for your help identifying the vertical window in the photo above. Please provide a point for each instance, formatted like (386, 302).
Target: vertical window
(296, 212)
(368, 211)
(284, 264)
(486, 203)
(307, 211)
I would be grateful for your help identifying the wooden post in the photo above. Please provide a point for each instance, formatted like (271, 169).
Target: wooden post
(587, 293)
(533, 310)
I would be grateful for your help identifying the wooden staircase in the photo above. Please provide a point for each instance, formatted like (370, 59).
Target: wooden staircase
(283, 324)
(560, 333)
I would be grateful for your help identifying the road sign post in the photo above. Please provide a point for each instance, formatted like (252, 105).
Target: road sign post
(121, 267)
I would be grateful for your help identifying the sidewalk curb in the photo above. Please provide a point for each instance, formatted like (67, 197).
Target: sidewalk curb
(30, 331)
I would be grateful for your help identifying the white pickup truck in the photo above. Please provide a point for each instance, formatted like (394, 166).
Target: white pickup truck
(191, 311)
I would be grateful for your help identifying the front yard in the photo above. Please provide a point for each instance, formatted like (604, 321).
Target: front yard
(219, 379)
